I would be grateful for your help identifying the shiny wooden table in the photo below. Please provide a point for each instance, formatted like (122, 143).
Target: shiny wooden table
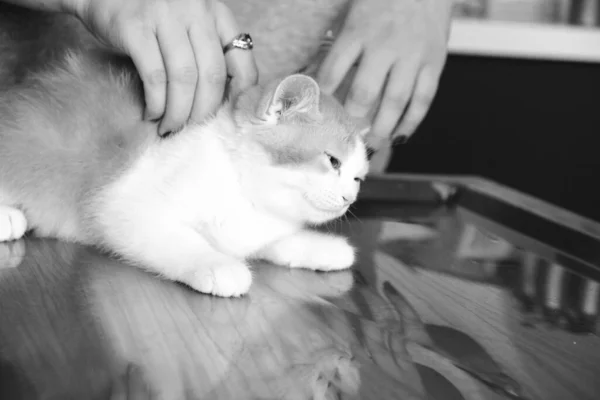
(463, 290)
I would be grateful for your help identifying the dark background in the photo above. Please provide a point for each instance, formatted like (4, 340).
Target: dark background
(533, 125)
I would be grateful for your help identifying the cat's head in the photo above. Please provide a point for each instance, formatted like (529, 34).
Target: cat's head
(312, 155)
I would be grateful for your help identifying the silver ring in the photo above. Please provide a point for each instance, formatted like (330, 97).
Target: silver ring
(242, 41)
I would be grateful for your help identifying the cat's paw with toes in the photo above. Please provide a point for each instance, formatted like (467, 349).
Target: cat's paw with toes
(228, 279)
(13, 224)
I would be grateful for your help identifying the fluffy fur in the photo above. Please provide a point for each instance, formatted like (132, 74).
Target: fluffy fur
(78, 163)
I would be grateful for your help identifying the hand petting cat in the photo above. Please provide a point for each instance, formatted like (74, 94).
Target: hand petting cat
(177, 47)
(400, 47)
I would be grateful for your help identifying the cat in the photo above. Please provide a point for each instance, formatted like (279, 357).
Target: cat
(78, 163)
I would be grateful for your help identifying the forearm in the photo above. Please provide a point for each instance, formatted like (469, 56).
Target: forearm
(44, 5)
(446, 8)
(441, 8)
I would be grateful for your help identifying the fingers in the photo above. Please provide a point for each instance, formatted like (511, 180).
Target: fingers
(425, 89)
(212, 73)
(368, 84)
(183, 67)
(241, 64)
(396, 96)
(182, 76)
(148, 60)
(343, 54)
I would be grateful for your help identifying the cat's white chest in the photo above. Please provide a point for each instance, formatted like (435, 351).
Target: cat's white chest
(200, 187)
(244, 231)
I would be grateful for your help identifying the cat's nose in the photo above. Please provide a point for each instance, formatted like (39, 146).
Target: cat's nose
(349, 199)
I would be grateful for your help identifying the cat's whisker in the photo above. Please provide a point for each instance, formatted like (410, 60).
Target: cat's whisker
(355, 216)
(343, 219)
(328, 226)
(350, 227)
(350, 223)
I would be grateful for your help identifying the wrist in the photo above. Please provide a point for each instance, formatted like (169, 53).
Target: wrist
(76, 7)
(446, 6)
(44, 5)
(443, 10)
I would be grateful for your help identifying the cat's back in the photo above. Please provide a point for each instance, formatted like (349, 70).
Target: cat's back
(84, 114)
(31, 39)
(70, 129)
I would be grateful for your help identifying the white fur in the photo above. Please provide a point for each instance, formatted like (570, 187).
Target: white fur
(334, 193)
(12, 224)
(197, 206)
(312, 250)
(194, 210)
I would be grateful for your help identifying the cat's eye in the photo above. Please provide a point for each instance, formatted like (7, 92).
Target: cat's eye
(359, 180)
(370, 153)
(334, 161)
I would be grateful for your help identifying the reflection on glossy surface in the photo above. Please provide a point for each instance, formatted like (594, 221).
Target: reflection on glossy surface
(436, 308)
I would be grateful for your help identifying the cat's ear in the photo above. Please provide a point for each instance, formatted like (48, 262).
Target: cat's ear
(296, 94)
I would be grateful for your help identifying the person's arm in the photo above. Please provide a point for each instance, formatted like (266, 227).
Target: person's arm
(176, 46)
(399, 47)
(45, 5)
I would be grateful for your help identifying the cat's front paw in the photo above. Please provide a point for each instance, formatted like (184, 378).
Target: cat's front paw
(335, 254)
(13, 224)
(226, 279)
(312, 250)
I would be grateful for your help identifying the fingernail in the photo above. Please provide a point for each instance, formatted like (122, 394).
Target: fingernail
(166, 132)
(163, 132)
(150, 118)
(399, 140)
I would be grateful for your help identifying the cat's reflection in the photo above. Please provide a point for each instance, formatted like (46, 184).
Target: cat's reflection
(72, 322)
(50, 344)
(12, 253)
(268, 344)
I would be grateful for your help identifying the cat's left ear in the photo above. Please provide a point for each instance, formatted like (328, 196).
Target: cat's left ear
(296, 94)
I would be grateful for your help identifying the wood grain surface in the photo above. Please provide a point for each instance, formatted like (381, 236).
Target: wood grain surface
(424, 314)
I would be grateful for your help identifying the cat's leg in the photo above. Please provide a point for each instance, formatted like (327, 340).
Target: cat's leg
(13, 224)
(218, 274)
(311, 250)
(181, 254)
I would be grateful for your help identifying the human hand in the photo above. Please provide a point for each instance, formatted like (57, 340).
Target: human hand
(176, 46)
(400, 48)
